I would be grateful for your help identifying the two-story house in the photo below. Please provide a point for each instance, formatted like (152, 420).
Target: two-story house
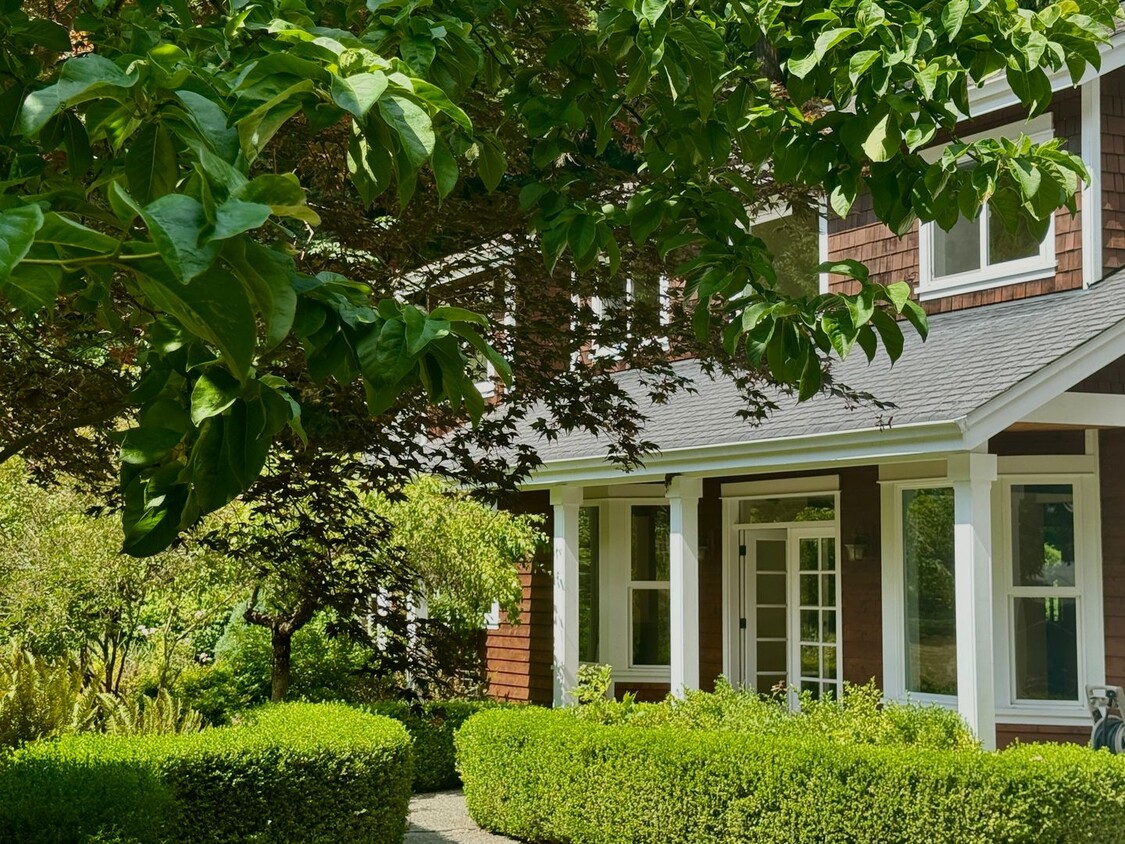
(966, 548)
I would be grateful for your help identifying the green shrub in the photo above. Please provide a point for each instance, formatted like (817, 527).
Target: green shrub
(432, 726)
(859, 717)
(548, 776)
(314, 773)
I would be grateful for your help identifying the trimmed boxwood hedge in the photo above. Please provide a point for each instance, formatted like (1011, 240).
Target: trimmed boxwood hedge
(549, 776)
(432, 726)
(296, 772)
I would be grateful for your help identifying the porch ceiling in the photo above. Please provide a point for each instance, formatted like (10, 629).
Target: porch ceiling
(980, 371)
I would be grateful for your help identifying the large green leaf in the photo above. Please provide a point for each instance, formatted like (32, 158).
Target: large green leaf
(176, 223)
(357, 94)
(414, 128)
(32, 286)
(59, 230)
(17, 232)
(81, 78)
(270, 276)
(150, 164)
(214, 306)
(235, 216)
(213, 393)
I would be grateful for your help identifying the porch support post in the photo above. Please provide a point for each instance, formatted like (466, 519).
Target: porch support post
(683, 498)
(566, 501)
(972, 475)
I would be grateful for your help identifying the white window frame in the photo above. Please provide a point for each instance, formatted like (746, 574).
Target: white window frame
(894, 590)
(597, 305)
(1081, 471)
(732, 495)
(987, 276)
(1087, 591)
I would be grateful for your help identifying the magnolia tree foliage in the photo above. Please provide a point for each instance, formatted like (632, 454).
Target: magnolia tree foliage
(159, 256)
(468, 555)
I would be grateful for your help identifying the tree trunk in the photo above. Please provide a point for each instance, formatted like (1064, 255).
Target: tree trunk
(279, 674)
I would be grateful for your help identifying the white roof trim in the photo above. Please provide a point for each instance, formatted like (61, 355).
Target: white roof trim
(995, 93)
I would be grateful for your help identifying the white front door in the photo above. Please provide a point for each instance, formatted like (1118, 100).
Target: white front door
(788, 620)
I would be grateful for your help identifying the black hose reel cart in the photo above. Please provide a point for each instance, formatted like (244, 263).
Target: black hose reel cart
(1105, 704)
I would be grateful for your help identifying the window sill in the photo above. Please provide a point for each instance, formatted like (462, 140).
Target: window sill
(1066, 715)
(974, 283)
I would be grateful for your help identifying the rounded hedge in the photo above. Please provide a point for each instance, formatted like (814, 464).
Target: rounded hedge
(546, 775)
(314, 773)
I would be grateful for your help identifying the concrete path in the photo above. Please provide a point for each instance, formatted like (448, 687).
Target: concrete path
(441, 818)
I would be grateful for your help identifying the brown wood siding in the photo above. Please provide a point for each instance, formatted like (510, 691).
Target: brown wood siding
(1108, 379)
(710, 586)
(519, 656)
(1027, 733)
(1009, 443)
(644, 692)
(1112, 459)
(1113, 170)
(861, 590)
(862, 237)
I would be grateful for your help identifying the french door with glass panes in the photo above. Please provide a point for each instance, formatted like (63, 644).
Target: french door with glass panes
(788, 610)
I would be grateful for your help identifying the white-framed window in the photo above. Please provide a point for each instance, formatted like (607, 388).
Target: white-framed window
(981, 253)
(798, 246)
(649, 590)
(1048, 627)
(638, 298)
(919, 609)
(1047, 587)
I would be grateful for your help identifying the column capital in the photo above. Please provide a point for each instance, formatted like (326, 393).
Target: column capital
(972, 467)
(682, 486)
(566, 496)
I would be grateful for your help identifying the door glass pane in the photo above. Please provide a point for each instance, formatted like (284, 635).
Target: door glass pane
(1004, 245)
(1046, 638)
(652, 627)
(809, 625)
(810, 661)
(771, 554)
(828, 554)
(771, 588)
(771, 657)
(828, 626)
(771, 622)
(809, 595)
(650, 542)
(1043, 535)
(588, 550)
(829, 657)
(799, 508)
(957, 250)
(810, 558)
(931, 640)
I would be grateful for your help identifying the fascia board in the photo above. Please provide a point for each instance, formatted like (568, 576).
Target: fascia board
(995, 94)
(865, 446)
(1030, 394)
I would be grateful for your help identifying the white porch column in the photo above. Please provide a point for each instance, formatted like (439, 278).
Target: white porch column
(566, 501)
(683, 498)
(972, 475)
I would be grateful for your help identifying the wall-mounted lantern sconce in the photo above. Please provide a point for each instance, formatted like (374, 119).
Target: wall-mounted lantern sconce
(856, 549)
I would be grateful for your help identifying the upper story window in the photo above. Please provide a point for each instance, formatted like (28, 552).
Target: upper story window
(794, 242)
(980, 253)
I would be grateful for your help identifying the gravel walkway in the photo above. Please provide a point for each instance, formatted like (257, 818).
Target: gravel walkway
(441, 818)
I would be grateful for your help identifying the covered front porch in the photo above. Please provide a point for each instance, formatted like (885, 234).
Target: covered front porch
(967, 556)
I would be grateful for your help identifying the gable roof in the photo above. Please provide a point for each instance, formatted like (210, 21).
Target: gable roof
(979, 371)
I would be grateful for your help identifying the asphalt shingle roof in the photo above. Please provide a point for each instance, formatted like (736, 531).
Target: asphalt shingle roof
(970, 358)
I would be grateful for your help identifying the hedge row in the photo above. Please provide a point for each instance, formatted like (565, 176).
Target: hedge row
(297, 772)
(549, 776)
(432, 726)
